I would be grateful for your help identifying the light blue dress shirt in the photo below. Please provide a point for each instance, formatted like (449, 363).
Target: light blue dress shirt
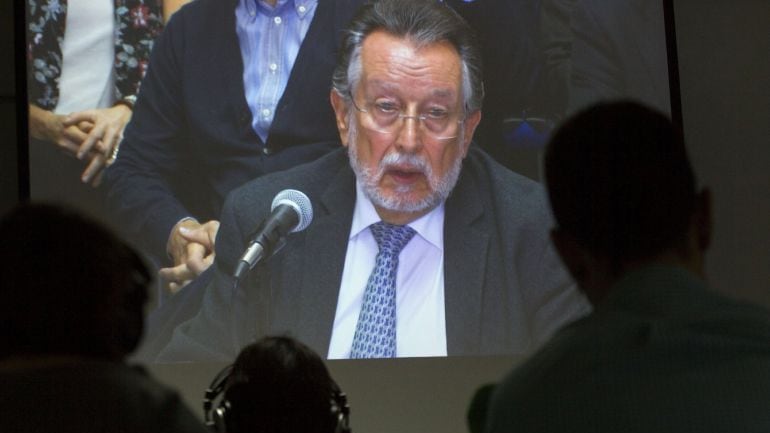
(420, 312)
(270, 38)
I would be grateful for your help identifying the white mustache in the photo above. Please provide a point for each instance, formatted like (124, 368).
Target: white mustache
(396, 160)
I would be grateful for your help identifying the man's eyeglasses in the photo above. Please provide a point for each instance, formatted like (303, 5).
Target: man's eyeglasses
(388, 117)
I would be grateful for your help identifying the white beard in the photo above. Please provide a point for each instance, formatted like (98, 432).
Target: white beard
(440, 188)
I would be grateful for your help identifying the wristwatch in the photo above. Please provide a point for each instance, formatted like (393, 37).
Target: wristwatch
(128, 101)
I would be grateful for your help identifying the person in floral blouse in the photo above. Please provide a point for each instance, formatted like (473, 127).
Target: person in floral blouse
(86, 59)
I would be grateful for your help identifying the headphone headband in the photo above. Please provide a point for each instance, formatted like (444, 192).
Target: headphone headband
(216, 406)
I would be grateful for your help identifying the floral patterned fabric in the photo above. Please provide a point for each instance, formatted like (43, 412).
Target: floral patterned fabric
(137, 24)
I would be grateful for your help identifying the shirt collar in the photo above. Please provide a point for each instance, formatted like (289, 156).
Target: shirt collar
(429, 226)
(656, 289)
(300, 7)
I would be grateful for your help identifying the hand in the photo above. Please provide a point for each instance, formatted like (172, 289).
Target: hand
(48, 126)
(103, 138)
(191, 246)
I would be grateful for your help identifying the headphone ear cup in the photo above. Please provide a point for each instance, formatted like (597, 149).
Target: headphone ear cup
(234, 412)
(215, 406)
(220, 415)
(340, 410)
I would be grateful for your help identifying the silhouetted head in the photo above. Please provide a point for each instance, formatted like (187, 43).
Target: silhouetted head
(279, 385)
(69, 286)
(623, 194)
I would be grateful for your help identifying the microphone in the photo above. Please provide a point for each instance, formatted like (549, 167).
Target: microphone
(290, 212)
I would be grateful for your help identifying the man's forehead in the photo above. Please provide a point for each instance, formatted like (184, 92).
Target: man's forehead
(389, 86)
(385, 57)
(382, 42)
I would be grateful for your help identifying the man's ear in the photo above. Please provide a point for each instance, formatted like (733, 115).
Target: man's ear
(340, 107)
(471, 122)
(592, 273)
(572, 255)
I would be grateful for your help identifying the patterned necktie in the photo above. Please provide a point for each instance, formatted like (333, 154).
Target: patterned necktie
(375, 335)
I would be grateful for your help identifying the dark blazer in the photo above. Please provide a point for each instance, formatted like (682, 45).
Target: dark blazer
(505, 290)
(507, 31)
(190, 140)
(619, 51)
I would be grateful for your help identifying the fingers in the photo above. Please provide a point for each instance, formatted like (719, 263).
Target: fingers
(179, 276)
(94, 132)
(172, 287)
(102, 157)
(84, 126)
(98, 179)
(110, 140)
(94, 169)
(67, 145)
(70, 138)
(177, 273)
(205, 234)
(176, 246)
(107, 125)
(198, 264)
(87, 116)
(176, 277)
(212, 227)
(93, 137)
(192, 245)
(199, 236)
(75, 134)
(199, 258)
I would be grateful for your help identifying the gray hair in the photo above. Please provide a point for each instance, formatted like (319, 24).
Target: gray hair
(423, 22)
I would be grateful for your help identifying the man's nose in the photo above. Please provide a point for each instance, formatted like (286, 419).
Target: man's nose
(409, 137)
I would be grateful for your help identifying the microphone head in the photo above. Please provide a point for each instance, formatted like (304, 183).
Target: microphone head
(298, 201)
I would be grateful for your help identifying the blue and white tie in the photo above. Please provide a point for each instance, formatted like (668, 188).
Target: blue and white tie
(375, 335)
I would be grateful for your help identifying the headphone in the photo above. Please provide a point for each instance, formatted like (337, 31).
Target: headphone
(216, 405)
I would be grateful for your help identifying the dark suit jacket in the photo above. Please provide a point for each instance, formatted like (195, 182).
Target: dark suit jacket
(619, 50)
(505, 291)
(190, 140)
(507, 31)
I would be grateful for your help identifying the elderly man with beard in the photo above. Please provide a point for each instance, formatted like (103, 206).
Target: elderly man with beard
(475, 273)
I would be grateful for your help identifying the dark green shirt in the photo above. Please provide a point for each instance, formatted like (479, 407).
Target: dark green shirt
(662, 354)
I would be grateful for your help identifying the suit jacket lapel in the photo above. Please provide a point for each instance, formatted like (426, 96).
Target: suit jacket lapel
(465, 251)
(324, 258)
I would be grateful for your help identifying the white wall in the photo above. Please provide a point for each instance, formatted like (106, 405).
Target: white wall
(725, 85)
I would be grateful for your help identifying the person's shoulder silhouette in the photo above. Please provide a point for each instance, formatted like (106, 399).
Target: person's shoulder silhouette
(73, 299)
(660, 351)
